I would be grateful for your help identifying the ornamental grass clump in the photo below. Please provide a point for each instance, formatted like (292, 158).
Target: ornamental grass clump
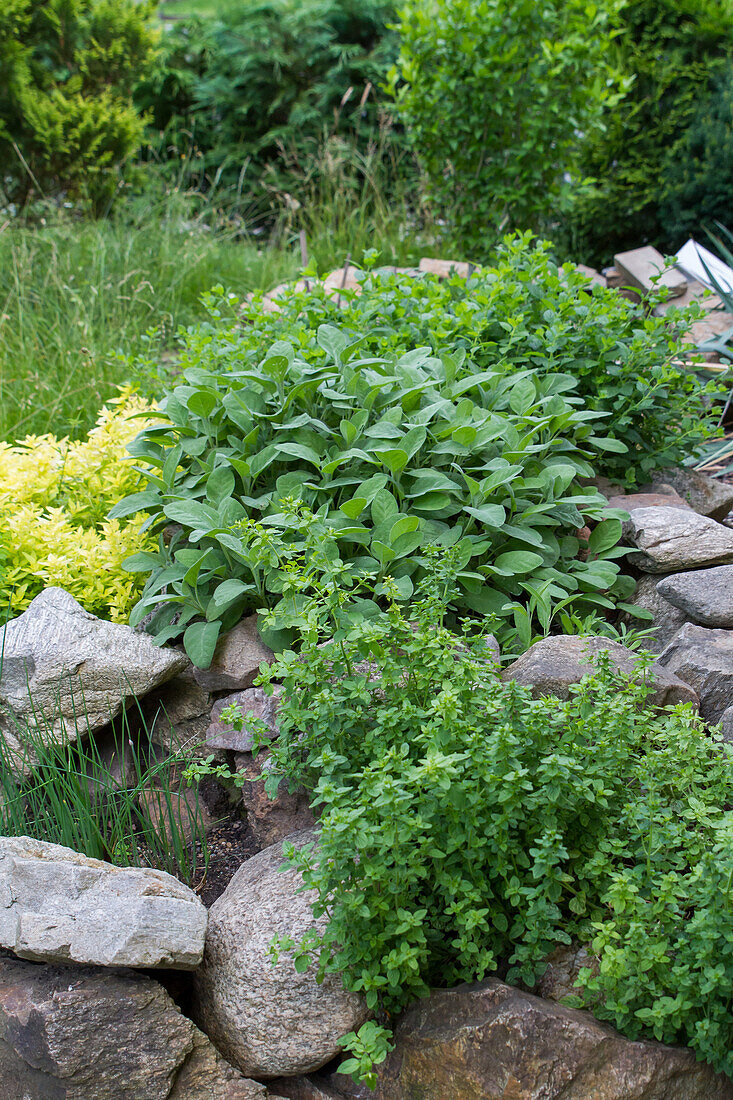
(467, 828)
(54, 498)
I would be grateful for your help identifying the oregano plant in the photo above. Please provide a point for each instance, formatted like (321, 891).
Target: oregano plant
(466, 828)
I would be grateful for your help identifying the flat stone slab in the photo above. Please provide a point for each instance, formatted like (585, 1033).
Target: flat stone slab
(705, 595)
(703, 658)
(57, 905)
(64, 671)
(671, 539)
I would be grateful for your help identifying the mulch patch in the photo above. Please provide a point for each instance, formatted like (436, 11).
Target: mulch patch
(230, 845)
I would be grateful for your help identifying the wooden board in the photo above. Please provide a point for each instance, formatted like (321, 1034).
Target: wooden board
(642, 265)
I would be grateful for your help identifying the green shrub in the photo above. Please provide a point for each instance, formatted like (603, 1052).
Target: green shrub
(255, 91)
(698, 185)
(495, 97)
(67, 121)
(675, 50)
(522, 313)
(466, 827)
(393, 455)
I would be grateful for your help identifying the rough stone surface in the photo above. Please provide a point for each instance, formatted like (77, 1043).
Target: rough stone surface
(255, 701)
(703, 658)
(59, 906)
(178, 712)
(667, 618)
(85, 1034)
(268, 1020)
(669, 539)
(237, 659)
(75, 666)
(270, 819)
(552, 665)
(490, 1041)
(726, 724)
(660, 499)
(707, 495)
(563, 967)
(705, 595)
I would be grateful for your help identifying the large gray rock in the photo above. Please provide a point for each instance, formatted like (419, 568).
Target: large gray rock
(59, 906)
(667, 619)
(552, 665)
(669, 539)
(489, 1041)
(237, 659)
(62, 666)
(254, 701)
(705, 595)
(703, 658)
(85, 1034)
(269, 1020)
(707, 495)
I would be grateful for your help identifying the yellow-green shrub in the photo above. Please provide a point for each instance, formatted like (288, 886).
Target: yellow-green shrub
(54, 498)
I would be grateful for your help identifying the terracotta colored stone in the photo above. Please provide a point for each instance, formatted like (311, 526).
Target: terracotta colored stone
(237, 659)
(270, 819)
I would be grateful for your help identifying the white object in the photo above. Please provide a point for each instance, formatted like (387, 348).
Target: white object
(693, 257)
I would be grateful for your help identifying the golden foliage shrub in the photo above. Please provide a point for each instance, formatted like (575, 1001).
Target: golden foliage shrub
(55, 495)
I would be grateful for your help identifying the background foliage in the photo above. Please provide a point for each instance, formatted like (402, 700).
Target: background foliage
(67, 121)
(495, 96)
(676, 51)
(249, 97)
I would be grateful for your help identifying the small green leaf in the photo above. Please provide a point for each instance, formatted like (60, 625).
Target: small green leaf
(199, 641)
(605, 535)
(353, 508)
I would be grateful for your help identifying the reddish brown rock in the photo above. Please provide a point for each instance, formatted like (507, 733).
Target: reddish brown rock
(627, 501)
(270, 819)
(237, 659)
(492, 1042)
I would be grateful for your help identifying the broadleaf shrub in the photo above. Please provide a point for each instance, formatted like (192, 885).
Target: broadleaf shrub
(522, 312)
(495, 97)
(466, 827)
(391, 454)
(54, 498)
(67, 120)
(676, 51)
(455, 412)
